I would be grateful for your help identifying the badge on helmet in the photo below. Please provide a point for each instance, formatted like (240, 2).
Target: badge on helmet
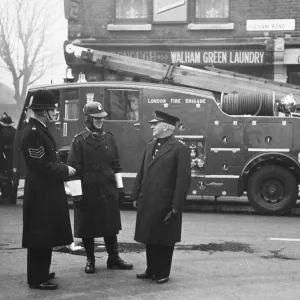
(94, 109)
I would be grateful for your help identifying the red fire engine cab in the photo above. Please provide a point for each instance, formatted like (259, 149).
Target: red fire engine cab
(239, 142)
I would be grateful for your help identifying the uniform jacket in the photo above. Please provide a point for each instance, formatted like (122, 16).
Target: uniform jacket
(162, 183)
(96, 161)
(46, 221)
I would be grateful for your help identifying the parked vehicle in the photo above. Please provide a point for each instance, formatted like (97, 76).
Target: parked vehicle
(240, 143)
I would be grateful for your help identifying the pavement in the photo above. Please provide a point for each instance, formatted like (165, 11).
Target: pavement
(231, 273)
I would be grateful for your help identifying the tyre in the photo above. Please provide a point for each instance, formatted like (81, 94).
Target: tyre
(272, 190)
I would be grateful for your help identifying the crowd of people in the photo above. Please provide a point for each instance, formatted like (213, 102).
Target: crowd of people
(160, 188)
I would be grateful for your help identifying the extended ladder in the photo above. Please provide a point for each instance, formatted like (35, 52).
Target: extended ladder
(215, 80)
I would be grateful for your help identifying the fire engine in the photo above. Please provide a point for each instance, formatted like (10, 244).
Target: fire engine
(241, 130)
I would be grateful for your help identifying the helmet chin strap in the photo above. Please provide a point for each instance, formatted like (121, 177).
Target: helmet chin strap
(48, 115)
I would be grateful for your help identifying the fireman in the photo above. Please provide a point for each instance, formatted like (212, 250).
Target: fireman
(94, 155)
(7, 134)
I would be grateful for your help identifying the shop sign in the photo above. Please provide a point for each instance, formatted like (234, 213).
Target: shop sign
(203, 57)
(271, 25)
(291, 56)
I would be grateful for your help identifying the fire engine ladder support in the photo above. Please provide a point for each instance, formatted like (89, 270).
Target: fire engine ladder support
(213, 80)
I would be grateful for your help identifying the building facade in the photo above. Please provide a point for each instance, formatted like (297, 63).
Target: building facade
(254, 37)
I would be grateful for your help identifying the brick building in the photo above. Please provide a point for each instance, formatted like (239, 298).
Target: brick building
(255, 37)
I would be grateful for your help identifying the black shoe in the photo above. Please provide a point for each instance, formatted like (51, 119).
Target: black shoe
(44, 286)
(162, 280)
(145, 276)
(90, 266)
(51, 275)
(116, 262)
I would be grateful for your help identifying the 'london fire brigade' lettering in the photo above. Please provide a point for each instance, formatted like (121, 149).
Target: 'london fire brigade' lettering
(157, 100)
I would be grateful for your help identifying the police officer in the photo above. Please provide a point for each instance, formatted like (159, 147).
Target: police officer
(46, 220)
(7, 135)
(159, 192)
(94, 155)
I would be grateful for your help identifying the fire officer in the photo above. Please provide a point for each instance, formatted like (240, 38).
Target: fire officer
(94, 155)
(159, 192)
(46, 220)
(7, 135)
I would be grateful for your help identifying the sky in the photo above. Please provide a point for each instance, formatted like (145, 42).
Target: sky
(57, 34)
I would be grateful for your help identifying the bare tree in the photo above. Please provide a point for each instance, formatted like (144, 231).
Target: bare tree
(23, 31)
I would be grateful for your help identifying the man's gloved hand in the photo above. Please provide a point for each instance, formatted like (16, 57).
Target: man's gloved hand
(171, 215)
(121, 195)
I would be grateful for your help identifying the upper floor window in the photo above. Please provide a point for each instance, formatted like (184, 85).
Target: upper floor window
(170, 11)
(131, 9)
(213, 10)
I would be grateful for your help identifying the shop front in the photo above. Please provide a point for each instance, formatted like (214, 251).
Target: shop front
(252, 60)
(292, 63)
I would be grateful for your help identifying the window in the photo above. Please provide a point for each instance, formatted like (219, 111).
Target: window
(131, 9)
(122, 104)
(71, 110)
(213, 10)
(170, 11)
(71, 105)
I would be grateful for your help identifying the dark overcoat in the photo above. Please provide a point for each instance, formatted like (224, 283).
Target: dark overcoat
(46, 220)
(162, 183)
(95, 158)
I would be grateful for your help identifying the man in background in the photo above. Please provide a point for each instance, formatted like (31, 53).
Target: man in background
(7, 135)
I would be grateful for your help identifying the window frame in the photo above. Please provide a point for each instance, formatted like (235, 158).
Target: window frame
(123, 90)
(211, 20)
(188, 3)
(73, 101)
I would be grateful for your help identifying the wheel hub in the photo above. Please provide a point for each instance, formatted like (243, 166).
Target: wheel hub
(272, 191)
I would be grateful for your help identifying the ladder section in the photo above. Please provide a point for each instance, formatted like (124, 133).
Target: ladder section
(212, 80)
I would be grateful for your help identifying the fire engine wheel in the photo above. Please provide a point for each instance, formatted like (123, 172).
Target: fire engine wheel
(272, 190)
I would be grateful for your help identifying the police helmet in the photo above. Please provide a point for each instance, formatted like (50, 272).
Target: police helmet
(6, 120)
(42, 99)
(94, 109)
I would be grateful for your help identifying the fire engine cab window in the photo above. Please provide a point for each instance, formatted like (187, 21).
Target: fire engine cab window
(122, 105)
(212, 9)
(131, 9)
(71, 110)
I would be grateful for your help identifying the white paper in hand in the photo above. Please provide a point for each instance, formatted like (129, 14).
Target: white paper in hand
(74, 186)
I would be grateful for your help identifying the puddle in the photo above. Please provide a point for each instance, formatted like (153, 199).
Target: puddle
(135, 247)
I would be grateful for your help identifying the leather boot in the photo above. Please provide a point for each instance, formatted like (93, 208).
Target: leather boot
(90, 266)
(114, 261)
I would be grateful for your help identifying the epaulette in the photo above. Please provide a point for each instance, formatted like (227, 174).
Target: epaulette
(109, 133)
(83, 133)
(182, 142)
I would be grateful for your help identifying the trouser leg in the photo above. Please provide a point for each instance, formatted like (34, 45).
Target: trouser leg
(114, 261)
(38, 265)
(165, 256)
(89, 246)
(151, 256)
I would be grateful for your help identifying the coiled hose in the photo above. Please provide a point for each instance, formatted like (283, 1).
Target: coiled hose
(245, 104)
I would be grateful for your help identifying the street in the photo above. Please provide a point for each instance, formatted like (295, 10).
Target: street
(221, 256)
